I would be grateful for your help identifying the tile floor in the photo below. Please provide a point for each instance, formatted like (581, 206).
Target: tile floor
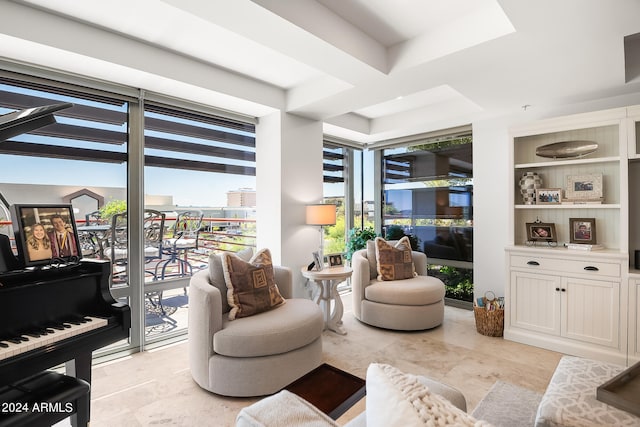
(155, 387)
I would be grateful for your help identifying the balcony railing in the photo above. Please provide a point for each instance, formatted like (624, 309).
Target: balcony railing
(216, 235)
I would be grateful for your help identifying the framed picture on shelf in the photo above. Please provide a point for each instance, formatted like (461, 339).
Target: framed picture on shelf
(549, 196)
(582, 230)
(584, 187)
(541, 232)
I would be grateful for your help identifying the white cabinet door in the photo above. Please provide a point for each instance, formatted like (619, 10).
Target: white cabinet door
(591, 311)
(535, 302)
(634, 320)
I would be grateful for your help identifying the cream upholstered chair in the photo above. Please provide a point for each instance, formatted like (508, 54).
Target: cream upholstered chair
(409, 304)
(255, 355)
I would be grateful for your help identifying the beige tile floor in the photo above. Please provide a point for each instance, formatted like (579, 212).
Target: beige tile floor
(155, 387)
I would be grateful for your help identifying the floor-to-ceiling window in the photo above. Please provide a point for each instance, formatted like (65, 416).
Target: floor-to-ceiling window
(363, 189)
(428, 196)
(201, 165)
(81, 159)
(335, 191)
(119, 154)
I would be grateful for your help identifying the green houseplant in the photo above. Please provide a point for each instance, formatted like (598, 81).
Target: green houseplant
(357, 239)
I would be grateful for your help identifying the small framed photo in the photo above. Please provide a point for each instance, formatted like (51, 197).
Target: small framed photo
(583, 230)
(548, 196)
(335, 260)
(584, 187)
(45, 233)
(541, 232)
(319, 265)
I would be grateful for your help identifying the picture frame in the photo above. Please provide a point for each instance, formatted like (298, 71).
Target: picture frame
(45, 234)
(541, 232)
(584, 187)
(319, 265)
(549, 196)
(335, 260)
(582, 230)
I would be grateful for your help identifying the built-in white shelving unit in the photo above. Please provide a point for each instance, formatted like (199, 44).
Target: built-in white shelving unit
(578, 302)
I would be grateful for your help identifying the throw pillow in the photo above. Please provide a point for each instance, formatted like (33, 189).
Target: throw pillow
(395, 399)
(216, 275)
(251, 286)
(394, 261)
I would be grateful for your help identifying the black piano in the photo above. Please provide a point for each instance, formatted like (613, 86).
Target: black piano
(58, 314)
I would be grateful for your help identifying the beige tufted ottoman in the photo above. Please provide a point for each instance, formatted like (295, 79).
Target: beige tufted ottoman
(570, 399)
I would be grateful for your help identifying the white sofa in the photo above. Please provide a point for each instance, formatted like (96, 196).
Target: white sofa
(393, 399)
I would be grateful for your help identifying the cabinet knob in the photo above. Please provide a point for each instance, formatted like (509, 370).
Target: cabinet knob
(557, 289)
(533, 263)
(591, 268)
(563, 290)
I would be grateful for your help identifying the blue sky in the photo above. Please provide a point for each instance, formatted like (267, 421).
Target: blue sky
(188, 188)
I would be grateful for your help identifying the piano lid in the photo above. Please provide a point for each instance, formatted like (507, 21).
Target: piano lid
(23, 121)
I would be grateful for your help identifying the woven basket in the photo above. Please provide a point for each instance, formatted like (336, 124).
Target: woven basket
(489, 323)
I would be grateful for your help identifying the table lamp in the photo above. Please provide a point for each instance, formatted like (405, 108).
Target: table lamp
(321, 215)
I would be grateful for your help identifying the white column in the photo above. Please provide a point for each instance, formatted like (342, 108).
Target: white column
(289, 176)
(491, 223)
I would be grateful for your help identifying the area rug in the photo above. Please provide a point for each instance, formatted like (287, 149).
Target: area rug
(508, 405)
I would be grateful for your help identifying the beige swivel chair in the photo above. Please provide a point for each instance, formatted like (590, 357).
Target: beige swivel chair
(255, 355)
(410, 304)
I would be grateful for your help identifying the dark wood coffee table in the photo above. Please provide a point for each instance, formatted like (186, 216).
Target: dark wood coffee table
(329, 389)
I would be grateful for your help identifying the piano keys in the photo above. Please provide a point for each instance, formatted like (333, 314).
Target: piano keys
(48, 334)
(57, 315)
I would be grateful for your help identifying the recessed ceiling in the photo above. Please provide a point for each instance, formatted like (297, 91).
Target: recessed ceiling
(393, 22)
(370, 70)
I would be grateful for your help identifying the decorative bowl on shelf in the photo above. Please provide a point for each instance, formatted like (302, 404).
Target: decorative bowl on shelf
(567, 149)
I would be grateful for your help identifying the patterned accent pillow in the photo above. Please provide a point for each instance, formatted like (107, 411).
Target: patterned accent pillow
(251, 286)
(216, 274)
(394, 261)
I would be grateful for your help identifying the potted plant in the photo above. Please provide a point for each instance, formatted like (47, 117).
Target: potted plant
(357, 239)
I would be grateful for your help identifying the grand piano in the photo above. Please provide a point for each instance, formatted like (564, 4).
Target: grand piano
(52, 315)
(57, 315)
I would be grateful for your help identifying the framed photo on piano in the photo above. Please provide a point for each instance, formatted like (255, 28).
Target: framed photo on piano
(45, 233)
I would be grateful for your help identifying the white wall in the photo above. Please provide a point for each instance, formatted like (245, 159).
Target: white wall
(289, 176)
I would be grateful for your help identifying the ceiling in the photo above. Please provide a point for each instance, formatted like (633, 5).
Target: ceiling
(370, 70)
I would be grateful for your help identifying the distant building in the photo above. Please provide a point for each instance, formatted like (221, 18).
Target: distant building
(241, 198)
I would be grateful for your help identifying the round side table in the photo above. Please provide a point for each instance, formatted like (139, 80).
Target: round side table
(327, 281)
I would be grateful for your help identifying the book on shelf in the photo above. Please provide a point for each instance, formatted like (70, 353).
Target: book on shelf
(583, 201)
(583, 246)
